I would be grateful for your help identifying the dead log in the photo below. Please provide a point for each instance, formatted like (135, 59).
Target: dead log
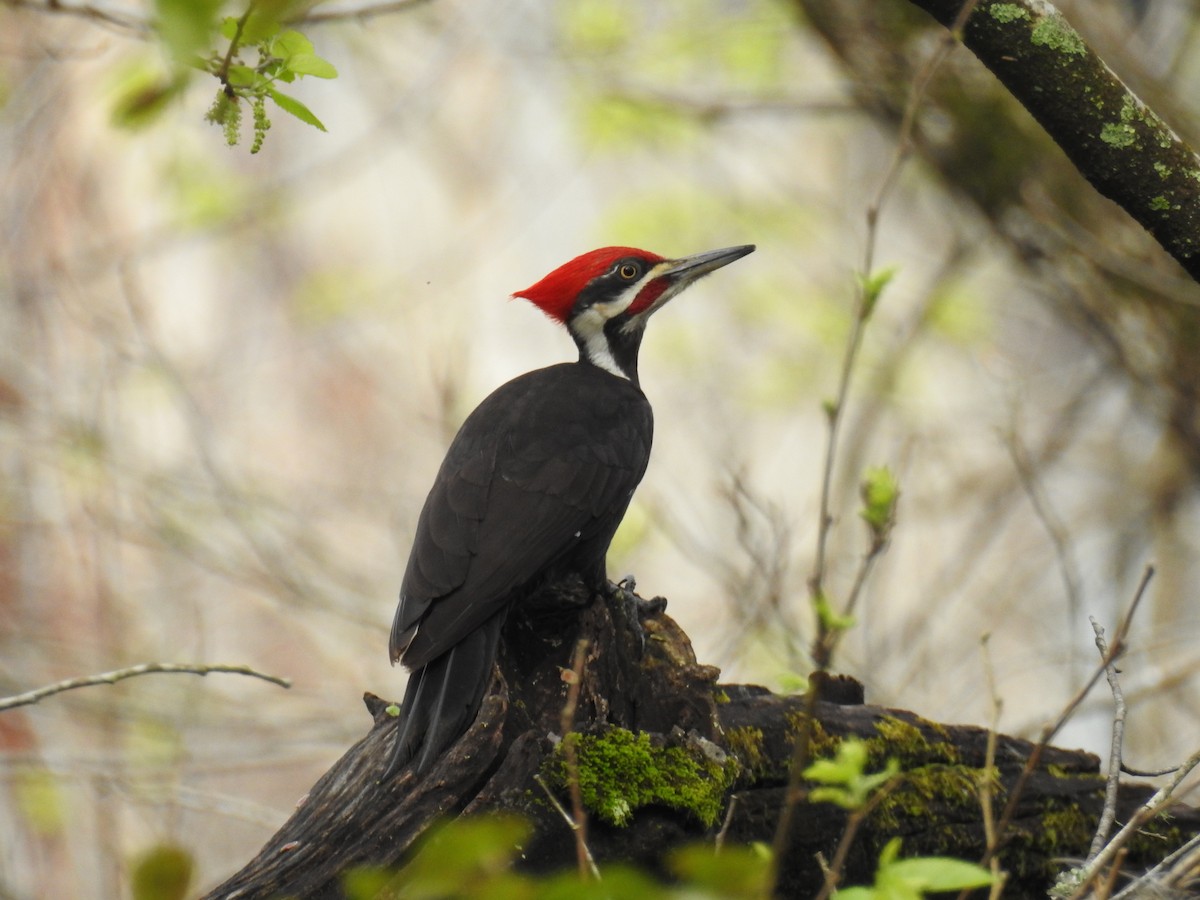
(668, 756)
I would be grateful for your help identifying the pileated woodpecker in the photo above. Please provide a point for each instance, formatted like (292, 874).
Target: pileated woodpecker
(533, 487)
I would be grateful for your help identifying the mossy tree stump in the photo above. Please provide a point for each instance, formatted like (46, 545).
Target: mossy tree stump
(669, 756)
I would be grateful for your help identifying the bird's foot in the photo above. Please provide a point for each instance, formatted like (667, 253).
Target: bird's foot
(634, 609)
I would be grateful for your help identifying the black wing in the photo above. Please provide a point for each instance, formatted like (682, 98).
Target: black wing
(542, 471)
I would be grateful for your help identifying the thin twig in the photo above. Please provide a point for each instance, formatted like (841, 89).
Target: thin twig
(1159, 873)
(1109, 814)
(1057, 532)
(988, 775)
(833, 872)
(144, 26)
(593, 869)
(362, 13)
(31, 697)
(583, 856)
(89, 11)
(795, 791)
(827, 642)
(1048, 733)
(235, 42)
(836, 411)
(721, 835)
(1145, 812)
(1110, 881)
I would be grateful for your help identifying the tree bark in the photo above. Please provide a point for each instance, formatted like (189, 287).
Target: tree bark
(1117, 143)
(703, 757)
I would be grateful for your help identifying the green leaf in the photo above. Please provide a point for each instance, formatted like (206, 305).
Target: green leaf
(310, 64)
(831, 620)
(934, 874)
(855, 893)
(912, 879)
(186, 26)
(889, 853)
(849, 763)
(732, 873)
(844, 780)
(880, 493)
(291, 43)
(243, 77)
(464, 857)
(259, 26)
(294, 107)
(872, 288)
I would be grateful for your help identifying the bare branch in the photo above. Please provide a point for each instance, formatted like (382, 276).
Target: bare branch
(143, 27)
(1114, 758)
(578, 819)
(824, 643)
(34, 696)
(1147, 811)
(989, 773)
(1185, 857)
(361, 13)
(1048, 733)
(90, 11)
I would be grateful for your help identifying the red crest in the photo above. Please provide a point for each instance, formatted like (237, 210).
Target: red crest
(555, 294)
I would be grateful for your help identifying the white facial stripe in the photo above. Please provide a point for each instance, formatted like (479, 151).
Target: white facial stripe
(589, 324)
(600, 354)
(625, 299)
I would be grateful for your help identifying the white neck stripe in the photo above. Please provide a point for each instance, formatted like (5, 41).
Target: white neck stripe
(599, 353)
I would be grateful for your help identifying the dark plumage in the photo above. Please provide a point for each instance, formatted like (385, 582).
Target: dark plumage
(533, 488)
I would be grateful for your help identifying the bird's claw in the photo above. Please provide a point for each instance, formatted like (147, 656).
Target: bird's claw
(634, 608)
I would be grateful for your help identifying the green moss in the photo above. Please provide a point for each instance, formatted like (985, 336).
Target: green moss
(620, 772)
(746, 743)
(1159, 202)
(1156, 838)
(904, 741)
(1007, 12)
(720, 697)
(1118, 134)
(1053, 31)
(908, 743)
(1164, 171)
(1064, 830)
(822, 743)
(924, 793)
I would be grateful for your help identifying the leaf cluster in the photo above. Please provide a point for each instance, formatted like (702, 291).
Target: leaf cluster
(283, 56)
(912, 879)
(196, 38)
(844, 779)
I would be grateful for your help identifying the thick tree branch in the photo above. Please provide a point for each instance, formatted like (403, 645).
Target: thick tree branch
(670, 756)
(1120, 145)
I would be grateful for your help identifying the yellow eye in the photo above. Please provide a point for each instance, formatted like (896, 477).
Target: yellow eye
(628, 272)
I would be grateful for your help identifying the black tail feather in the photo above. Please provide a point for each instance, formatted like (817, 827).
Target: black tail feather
(442, 698)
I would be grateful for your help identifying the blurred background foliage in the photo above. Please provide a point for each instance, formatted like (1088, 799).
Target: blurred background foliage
(226, 380)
